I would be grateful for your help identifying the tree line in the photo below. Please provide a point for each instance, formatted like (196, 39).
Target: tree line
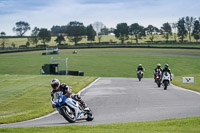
(75, 31)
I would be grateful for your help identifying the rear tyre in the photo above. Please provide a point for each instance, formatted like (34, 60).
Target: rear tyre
(68, 114)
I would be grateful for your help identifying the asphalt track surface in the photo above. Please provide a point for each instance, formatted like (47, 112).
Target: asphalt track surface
(120, 100)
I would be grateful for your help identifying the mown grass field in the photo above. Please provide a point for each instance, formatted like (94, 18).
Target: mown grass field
(24, 94)
(112, 62)
(25, 97)
(186, 125)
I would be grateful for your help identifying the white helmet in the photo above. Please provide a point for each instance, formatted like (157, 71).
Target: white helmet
(55, 84)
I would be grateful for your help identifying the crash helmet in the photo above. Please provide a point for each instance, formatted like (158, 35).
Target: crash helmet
(140, 65)
(55, 84)
(158, 65)
(166, 65)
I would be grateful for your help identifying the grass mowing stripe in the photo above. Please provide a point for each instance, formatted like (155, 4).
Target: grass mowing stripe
(25, 97)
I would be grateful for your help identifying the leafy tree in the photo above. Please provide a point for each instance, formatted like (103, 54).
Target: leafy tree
(137, 31)
(56, 30)
(34, 39)
(27, 44)
(44, 35)
(152, 31)
(3, 34)
(182, 32)
(60, 39)
(166, 31)
(21, 28)
(104, 31)
(98, 26)
(174, 26)
(75, 31)
(90, 32)
(196, 30)
(189, 24)
(122, 32)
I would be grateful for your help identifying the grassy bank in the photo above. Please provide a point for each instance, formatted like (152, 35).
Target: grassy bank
(186, 125)
(24, 94)
(25, 97)
(192, 86)
(112, 62)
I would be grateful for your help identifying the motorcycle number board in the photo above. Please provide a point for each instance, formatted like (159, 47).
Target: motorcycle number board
(188, 79)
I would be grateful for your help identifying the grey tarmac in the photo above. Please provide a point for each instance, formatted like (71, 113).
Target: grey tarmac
(121, 100)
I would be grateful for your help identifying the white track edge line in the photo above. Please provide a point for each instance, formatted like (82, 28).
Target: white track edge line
(183, 89)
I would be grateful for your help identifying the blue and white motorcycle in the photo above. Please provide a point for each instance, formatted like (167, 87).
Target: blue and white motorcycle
(70, 109)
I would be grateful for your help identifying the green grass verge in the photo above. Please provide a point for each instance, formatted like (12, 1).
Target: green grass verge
(25, 97)
(186, 125)
(112, 62)
(23, 85)
(192, 86)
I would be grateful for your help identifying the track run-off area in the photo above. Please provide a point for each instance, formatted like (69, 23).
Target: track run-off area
(121, 100)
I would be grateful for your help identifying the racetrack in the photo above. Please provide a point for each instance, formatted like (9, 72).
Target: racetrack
(117, 100)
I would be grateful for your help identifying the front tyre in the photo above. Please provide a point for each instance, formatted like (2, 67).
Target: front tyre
(165, 85)
(90, 116)
(158, 83)
(68, 114)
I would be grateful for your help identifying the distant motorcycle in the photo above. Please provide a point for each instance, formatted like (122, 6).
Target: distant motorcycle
(69, 113)
(158, 78)
(165, 80)
(140, 75)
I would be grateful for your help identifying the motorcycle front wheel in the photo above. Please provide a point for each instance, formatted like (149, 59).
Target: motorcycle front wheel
(90, 116)
(165, 85)
(158, 83)
(68, 114)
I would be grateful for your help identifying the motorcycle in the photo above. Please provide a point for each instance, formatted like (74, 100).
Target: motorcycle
(139, 75)
(70, 109)
(165, 80)
(158, 78)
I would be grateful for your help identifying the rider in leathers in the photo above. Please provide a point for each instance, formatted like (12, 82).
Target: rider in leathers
(67, 91)
(140, 67)
(166, 69)
(157, 69)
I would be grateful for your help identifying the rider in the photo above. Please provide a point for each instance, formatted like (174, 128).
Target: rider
(67, 91)
(157, 69)
(166, 69)
(140, 68)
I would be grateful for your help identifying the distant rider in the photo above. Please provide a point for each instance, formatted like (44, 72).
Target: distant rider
(157, 69)
(67, 91)
(166, 69)
(140, 68)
